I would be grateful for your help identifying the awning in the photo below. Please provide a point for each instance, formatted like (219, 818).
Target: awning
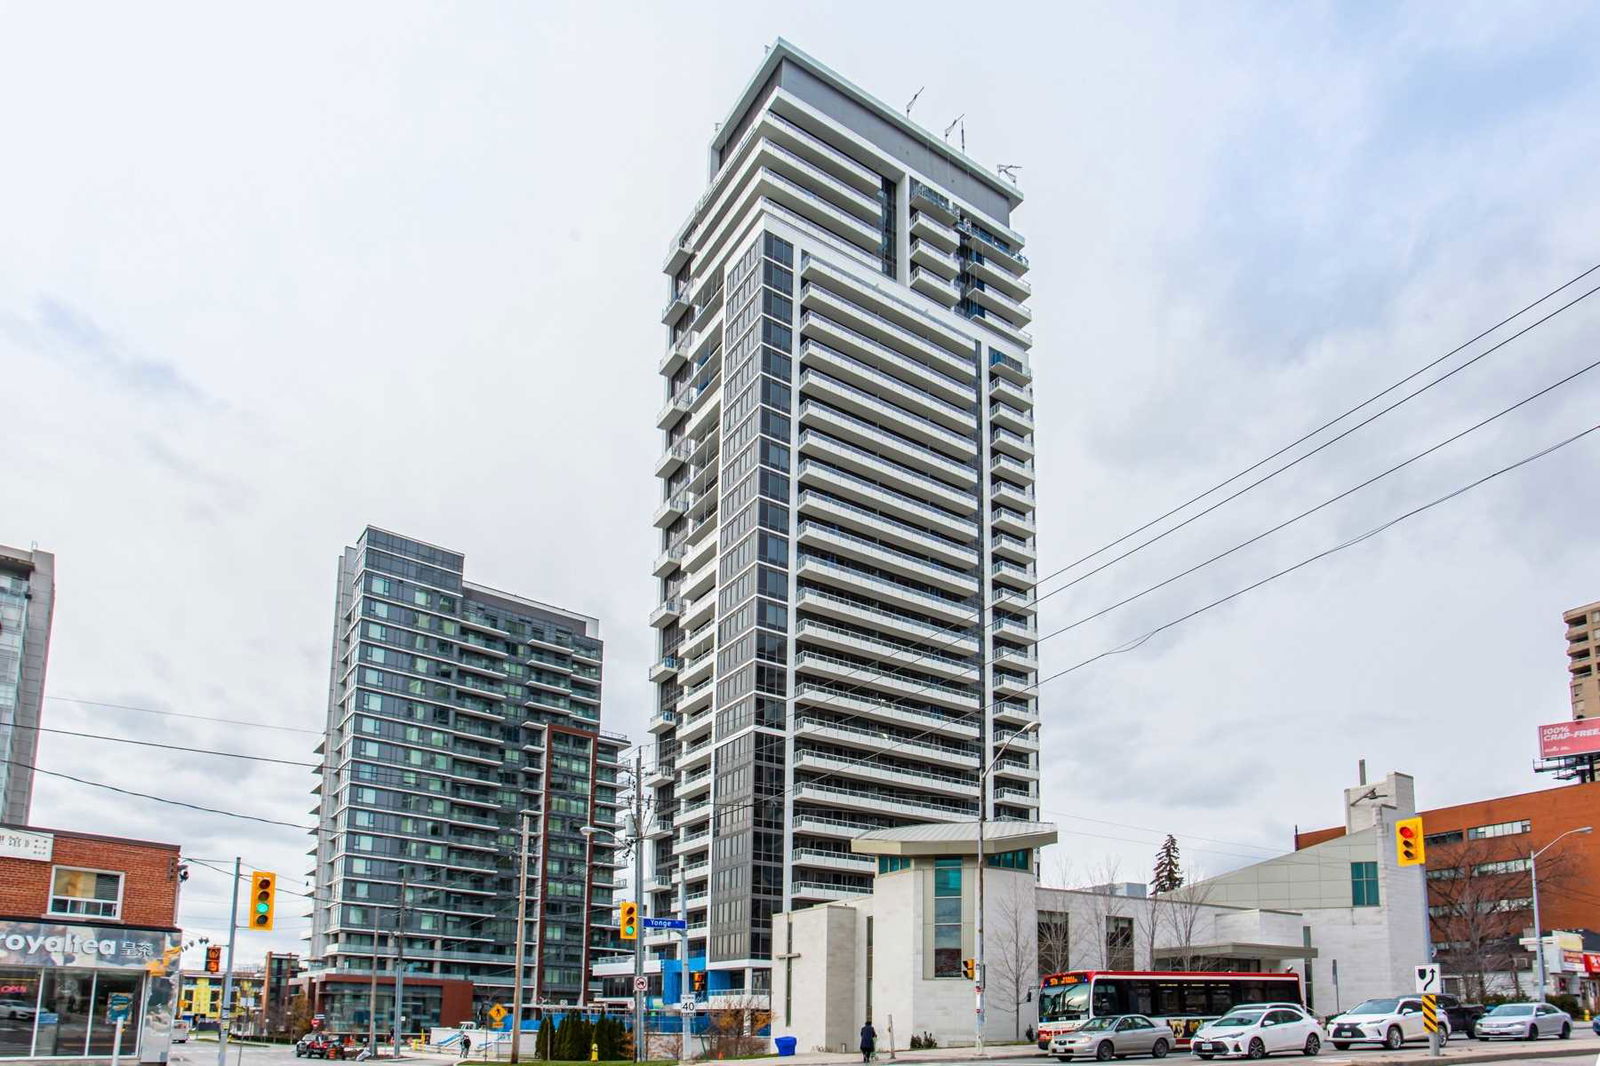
(1236, 949)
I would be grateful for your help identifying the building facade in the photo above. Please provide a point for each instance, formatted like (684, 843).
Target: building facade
(456, 710)
(27, 600)
(1583, 659)
(1480, 892)
(846, 619)
(84, 918)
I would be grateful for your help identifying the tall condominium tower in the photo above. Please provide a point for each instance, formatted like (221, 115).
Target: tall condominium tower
(453, 709)
(847, 521)
(27, 598)
(1583, 646)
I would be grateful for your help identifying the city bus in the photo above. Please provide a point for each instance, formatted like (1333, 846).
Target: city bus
(1184, 1001)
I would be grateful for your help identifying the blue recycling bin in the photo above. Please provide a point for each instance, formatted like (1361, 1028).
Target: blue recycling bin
(786, 1044)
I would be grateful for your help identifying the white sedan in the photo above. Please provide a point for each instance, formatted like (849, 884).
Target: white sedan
(1255, 1034)
(1525, 1021)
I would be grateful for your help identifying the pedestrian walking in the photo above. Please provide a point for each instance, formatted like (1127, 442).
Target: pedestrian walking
(466, 1045)
(869, 1040)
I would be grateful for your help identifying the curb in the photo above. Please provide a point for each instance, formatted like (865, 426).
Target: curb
(1486, 1055)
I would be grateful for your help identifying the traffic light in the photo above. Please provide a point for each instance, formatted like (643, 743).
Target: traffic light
(1408, 846)
(628, 921)
(214, 959)
(697, 981)
(263, 896)
(969, 967)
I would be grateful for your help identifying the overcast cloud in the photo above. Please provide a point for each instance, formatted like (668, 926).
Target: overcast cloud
(270, 274)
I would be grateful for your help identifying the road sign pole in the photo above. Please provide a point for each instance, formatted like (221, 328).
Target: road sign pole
(116, 1049)
(226, 1013)
(683, 950)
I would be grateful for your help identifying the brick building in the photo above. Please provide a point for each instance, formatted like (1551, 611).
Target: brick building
(1479, 886)
(85, 919)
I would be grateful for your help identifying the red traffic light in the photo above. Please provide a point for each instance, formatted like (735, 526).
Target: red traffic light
(1408, 832)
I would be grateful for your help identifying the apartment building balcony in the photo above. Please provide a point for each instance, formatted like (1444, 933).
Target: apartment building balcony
(845, 861)
(1010, 258)
(697, 641)
(1016, 497)
(890, 592)
(890, 530)
(1017, 630)
(1024, 797)
(681, 404)
(669, 560)
(707, 406)
(702, 543)
(949, 378)
(939, 289)
(881, 310)
(693, 700)
(664, 668)
(1007, 331)
(1013, 444)
(697, 669)
(962, 582)
(1014, 522)
(676, 455)
(1022, 602)
(697, 783)
(694, 764)
(885, 711)
(814, 207)
(997, 276)
(694, 727)
(853, 488)
(810, 631)
(673, 509)
(1008, 685)
(867, 678)
(926, 198)
(865, 419)
(875, 467)
(664, 614)
(676, 306)
(855, 734)
(927, 229)
(700, 611)
(885, 380)
(834, 828)
(1015, 712)
(999, 303)
(1002, 465)
(1009, 368)
(1016, 421)
(800, 170)
(873, 801)
(936, 260)
(1014, 575)
(946, 638)
(700, 581)
(1004, 390)
(791, 134)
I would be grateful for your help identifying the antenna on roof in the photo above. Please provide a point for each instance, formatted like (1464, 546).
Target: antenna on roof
(913, 102)
(1009, 170)
(954, 123)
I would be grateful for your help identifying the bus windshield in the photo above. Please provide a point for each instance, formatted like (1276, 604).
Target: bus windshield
(1064, 1004)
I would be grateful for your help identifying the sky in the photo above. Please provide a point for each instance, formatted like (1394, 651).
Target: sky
(269, 275)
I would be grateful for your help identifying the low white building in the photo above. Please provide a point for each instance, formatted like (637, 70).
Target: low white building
(897, 957)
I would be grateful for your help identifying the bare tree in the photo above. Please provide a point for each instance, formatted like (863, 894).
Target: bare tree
(1011, 953)
(1183, 911)
(1098, 939)
(1481, 900)
(1055, 941)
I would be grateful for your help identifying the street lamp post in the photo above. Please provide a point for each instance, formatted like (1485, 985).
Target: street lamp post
(1533, 888)
(522, 936)
(983, 813)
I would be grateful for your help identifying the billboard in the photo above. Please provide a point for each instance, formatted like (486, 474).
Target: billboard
(1578, 737)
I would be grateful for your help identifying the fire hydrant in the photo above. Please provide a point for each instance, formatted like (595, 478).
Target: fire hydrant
(594, 1052)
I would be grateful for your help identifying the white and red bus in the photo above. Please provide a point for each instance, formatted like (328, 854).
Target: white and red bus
(1184, 1001)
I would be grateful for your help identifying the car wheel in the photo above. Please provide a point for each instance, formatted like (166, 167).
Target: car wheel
(1341, 1045)
(1258, 1050)
(1204, 1054)
(1566, 1030)
(1104, 1051)
(1533, 1032)
(1160, 1049)
(1313, 1045)
(1394, 1039)
(1483, 1039)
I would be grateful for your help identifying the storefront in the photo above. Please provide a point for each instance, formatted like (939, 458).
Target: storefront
(56, 984)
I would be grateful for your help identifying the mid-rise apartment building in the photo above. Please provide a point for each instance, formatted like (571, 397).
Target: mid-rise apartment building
(1583, 658)
(846, 616)
(27, 599)
(454, 711)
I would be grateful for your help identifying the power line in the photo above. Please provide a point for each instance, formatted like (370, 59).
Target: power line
(193, 717)
(168, 747)
(157, 799)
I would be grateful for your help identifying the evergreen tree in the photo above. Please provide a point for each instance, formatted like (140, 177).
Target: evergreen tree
(608, 1034)
(1168, 872)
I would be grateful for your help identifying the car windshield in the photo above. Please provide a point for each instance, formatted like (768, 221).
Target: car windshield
(1064, 1004)
(1237, 1021)
(1096, 1024)
(1509, 1009)
(1377, 1006)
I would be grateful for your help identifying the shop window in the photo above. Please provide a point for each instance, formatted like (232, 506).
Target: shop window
(89, 893)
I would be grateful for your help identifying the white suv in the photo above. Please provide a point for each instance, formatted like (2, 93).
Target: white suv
(1390, 1022)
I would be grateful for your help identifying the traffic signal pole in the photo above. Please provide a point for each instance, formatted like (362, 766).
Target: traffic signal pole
(522, 920)
(636, 838)
(226, 1014)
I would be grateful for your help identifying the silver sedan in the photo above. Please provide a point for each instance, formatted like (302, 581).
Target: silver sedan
(1113, 1036)
(1524, 1021)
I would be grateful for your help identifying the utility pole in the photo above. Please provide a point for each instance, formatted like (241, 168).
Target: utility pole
(683, 954)
(227, 979)
(983, 861)
(635, 838)
(399, 958)
(522, 918)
